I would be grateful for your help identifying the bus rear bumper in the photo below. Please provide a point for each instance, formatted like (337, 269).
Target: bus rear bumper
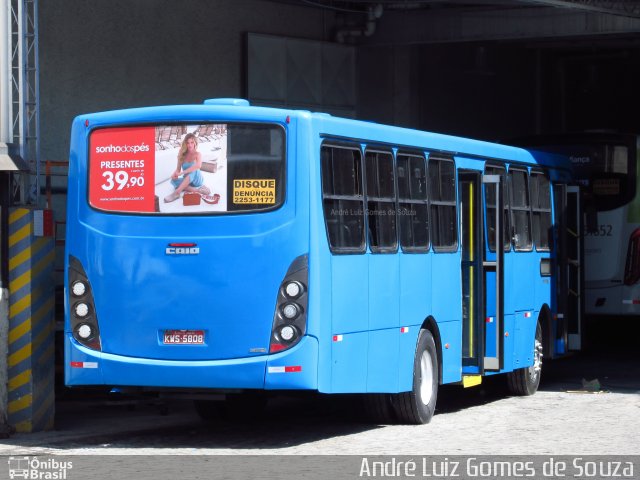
(294, 369)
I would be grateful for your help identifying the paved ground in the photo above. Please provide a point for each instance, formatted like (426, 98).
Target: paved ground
(560, 419)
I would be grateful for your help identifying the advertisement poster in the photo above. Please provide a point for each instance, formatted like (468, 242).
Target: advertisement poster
(163, 169)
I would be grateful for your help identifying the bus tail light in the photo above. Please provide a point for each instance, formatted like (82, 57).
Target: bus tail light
(632, 264)
(291, 311)
(290, 318)
(82, 312)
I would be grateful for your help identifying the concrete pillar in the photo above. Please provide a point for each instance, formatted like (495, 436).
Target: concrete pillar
(31, 359)
(4, 352)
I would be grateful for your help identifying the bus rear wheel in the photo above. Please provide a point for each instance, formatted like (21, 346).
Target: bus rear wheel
(379, 408)
(418, 405)
(525, 381)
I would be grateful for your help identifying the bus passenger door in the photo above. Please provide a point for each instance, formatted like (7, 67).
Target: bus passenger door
(567, 219)
(493, 273)
(574, 250)
(470, 198)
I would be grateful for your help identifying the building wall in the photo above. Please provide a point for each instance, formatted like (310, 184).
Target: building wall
(109, 54)
(389, 87)
(473, 90)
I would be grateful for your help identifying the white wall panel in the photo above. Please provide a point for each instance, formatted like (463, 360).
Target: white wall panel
(301, 73)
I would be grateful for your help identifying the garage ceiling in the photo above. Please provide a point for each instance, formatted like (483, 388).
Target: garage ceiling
(397, 22)
(623, 8)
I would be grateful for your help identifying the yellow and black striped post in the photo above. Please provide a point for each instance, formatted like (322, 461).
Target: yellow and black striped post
(31, 362)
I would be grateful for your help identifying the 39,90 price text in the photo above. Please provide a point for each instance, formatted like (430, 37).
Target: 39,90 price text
(120, 180)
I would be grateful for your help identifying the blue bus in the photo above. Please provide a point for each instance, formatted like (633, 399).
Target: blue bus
(233, 250)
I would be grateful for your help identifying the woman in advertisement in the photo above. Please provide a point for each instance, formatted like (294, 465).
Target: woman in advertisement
(189, 164)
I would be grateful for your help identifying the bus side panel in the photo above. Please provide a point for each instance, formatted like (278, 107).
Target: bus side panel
(320, 310)
(519, 294)
(384, 284)
(446, 292)
(451, 334)
(384, 329)
(446, 288)
(349, 363)
(508, 344)
(543, 292)
(519, 279)
(349, 292)
(525, 329)
(415, 307)
(408, 343)
(415, 286)
(382, 375)
(350, 314)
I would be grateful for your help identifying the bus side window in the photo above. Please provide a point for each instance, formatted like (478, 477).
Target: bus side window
(381, 202)
(413, 213)
(541, 209)
(343, 198)
(520, 210)
(442, 188)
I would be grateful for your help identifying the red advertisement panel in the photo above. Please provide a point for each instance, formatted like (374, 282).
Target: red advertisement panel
(121, 169)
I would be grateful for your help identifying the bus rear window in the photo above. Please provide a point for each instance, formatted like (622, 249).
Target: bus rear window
(187, 169)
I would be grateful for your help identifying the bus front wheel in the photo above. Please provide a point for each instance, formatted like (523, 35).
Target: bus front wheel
(418, 405)
(525, 381)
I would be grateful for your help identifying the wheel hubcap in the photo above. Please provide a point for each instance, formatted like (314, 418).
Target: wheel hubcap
(534, 370)
(426, 378)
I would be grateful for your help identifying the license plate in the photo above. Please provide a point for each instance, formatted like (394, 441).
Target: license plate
(183, 337)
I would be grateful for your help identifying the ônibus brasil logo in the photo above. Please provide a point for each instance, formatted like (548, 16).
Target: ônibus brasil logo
(182, 249)
(34, 468)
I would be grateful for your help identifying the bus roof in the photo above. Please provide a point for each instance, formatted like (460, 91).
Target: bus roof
(326, 125)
